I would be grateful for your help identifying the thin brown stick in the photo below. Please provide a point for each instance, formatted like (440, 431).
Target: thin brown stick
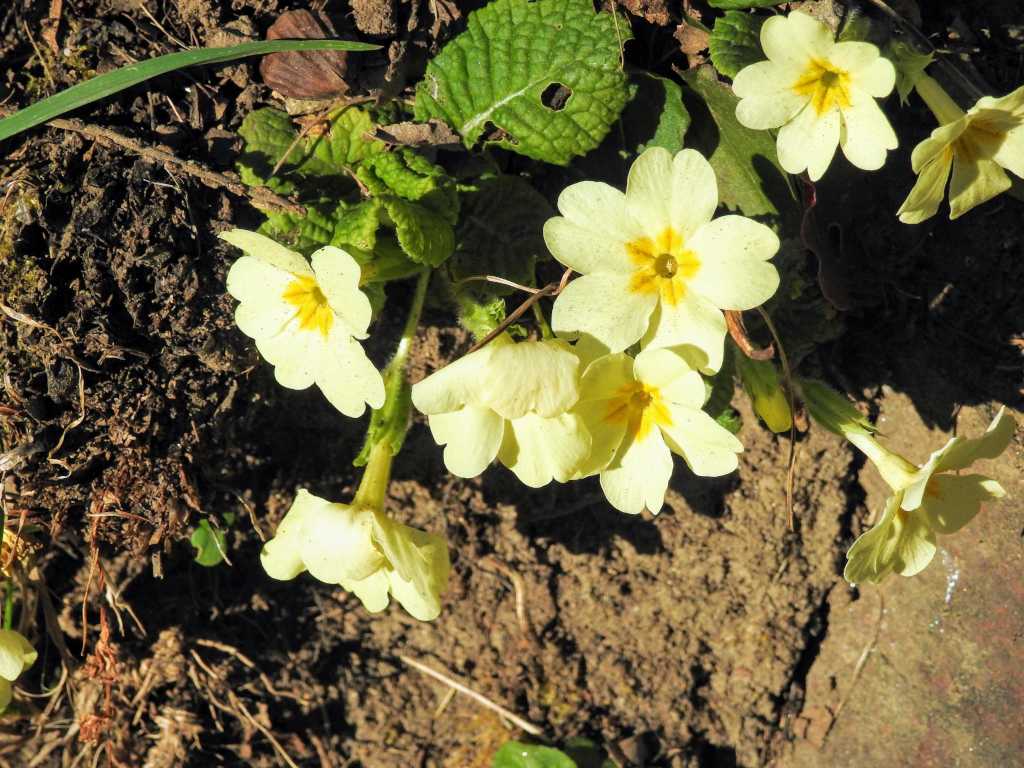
(787, 374)
(551, 289)
(51, 25)
(261, 197)
(497, 281)
(526, 725)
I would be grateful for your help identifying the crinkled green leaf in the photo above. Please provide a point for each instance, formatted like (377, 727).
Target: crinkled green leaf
(910, 65)
(739, 5)
(500, 232)
(423, 234)
(412, 177)
(516, 754)
(750, 179)
(496, 73)
(327, 151)
(735, 42)
(328, 222)
(209, 543)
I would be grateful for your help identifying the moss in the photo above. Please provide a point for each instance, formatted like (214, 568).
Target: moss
(21, 279)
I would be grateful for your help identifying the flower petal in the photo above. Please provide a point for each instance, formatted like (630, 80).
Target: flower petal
(640, 474)
(767, 99)
(734, 272)
(539, 450)
(454, 385)
(900, 542)
(606, 436)
(16, 654)
(709, 448)
(584, 249)
(337, 274)
(420, 566)
(260, 287)
(605, 376)
(961, 452)
(336, 543)
(975, 183)
(808, 142)
(371, 591)
(866, 134)
(281, 557)
(471, 436)
(928, 191)
(671, 192)
(603, 305)
(952, 501)
(694, 321)
(540, 377)
(877, 79)
(796, 39)
(346, 376)
(676, 381)
(599, 208)
(6, 694)
(264, 249)
(1010, 154)
(295, 354)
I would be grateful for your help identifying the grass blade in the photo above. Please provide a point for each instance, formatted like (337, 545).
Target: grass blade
(110, 83)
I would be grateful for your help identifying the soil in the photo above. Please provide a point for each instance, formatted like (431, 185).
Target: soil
(132, 407)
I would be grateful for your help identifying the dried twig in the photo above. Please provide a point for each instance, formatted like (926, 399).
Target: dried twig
(491, 563)
(261, 197)
(525, 725)
(787, 374)
(551, 289)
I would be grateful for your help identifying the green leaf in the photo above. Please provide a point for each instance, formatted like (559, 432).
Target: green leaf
(664, 98)
(500, 232)
(910, 65)
(414, 178)
(735, 42)
(515, 754)
(479, 315)
(209, 543)
(497, 72)
(721, 388)
(739, 5)
(327, 151)
(328, 222)
(750, 179)
(424, 235)
(112, 82)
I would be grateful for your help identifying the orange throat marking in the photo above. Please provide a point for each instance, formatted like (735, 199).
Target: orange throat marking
(827, 85)
(312, 310)
(662, 266)
(641, 407)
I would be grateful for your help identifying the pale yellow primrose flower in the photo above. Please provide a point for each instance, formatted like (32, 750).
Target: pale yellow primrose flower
(508, 401)
(16, 655)
(364, 551)
(654, 264)
(927, 500)
(978, 147)
(820, 94)
(638, 413)
(306, 319)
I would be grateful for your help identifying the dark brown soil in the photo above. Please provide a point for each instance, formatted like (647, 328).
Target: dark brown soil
(132, 407)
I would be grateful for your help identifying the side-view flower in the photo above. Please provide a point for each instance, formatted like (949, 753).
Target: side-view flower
(977, 147)
(926, 501)
(655, 266)
(638, 413)
(360, 548)
(16, 655)
(306, 319)
(820, 94)
(511, 402)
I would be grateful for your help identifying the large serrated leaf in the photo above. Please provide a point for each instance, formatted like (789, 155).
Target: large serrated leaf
(496, 74)
(735, 42)
(750, 179)
(424, 235)
(414, 178)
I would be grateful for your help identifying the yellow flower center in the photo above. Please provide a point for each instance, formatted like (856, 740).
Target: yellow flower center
(663, 265)
(827, 85)
(311, 305)
(641, 407)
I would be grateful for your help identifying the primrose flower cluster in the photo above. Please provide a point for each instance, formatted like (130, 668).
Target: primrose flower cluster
(657, 270)
(821, 94)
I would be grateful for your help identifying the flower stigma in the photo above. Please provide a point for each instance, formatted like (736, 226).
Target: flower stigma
(827, 85)
(663, 265)
(641, 407)
(312, 309)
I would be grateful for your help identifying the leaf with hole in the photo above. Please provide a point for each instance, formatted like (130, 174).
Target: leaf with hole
(541, 78)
